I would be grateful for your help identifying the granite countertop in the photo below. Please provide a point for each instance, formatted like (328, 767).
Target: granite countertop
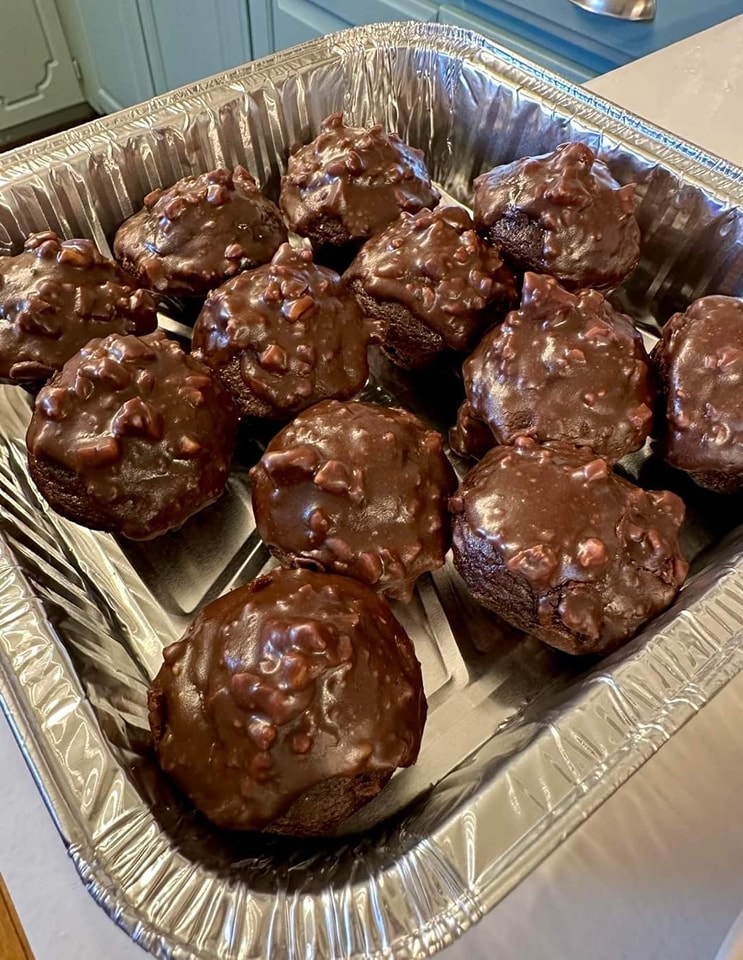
(654, 873)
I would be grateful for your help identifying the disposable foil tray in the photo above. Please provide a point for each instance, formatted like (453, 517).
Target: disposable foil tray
(522, 743)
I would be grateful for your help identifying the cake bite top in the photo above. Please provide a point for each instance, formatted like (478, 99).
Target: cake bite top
(562, 213)
(195, 234)
(55, 296)
(350, 182)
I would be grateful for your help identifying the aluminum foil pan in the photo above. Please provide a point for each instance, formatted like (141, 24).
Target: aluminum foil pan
(522, 743)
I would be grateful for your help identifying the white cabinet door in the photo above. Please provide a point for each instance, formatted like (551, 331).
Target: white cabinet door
(36, 71)
(107, 40)
(188, 40)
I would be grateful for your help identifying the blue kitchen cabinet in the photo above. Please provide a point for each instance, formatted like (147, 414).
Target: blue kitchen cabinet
(106, 39)
(545, 54)
(277, 24)
(295, 21)
(189, 40)
(129, 50)
(558, 31)
(553, 33)
(379, 11)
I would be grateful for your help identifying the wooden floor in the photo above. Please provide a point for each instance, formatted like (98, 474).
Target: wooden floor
(13, 943)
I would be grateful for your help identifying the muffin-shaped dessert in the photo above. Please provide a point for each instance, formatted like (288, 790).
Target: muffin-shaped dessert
(288, 704)
(563, 214)
(349, 183)
(284, 336)
(563, 548)
(132, 435)
(563, 367)
(358, 489)
(57, 295)
(700, 368)
(434, 284)
(199, 232)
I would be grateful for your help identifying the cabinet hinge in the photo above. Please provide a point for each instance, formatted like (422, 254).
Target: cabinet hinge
(76, 68)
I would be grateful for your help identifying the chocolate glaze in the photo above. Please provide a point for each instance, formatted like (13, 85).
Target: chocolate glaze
(561, 547)
(446, 278)
(563, 367)
(200, 231)
(350, 182)
(358, 489)
(57, 295)
(563, 214)
(470, 437)
(288, 703)
(700, 366)
(284, 336)
(132, 435)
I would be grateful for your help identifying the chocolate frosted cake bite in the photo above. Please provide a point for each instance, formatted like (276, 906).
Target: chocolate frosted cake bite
(132, 436)
(54, 297)
(700, 367)
(562, 214)
(284, 336)
(358, 489)
(349, 183)
(199, 232)
(563, 367)
(434, 284)
(563, 548)
(288, 704)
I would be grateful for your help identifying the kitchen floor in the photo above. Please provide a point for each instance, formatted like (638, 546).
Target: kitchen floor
(45, 126)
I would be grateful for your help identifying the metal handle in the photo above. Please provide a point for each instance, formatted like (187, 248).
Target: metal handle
(620, 9)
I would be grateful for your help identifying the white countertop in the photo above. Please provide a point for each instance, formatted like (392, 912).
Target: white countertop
(654, 874)
(693, 88)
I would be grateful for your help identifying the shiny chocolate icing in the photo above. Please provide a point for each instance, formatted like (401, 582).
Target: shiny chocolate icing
(435, 265)
(357, 179)
(55, 296)
(144, 431)
(586, 231)
(285, 336)
(292, 683)
(563, 548)
(195, 234)
(358, 489)
(700, 364)
(563, 367)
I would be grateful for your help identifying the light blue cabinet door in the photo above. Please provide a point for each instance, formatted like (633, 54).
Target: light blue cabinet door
(378, 11)
(188, 40)
(295, 21)
(276, 24)
(261, 27)
(106, 38)
(545, 56)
